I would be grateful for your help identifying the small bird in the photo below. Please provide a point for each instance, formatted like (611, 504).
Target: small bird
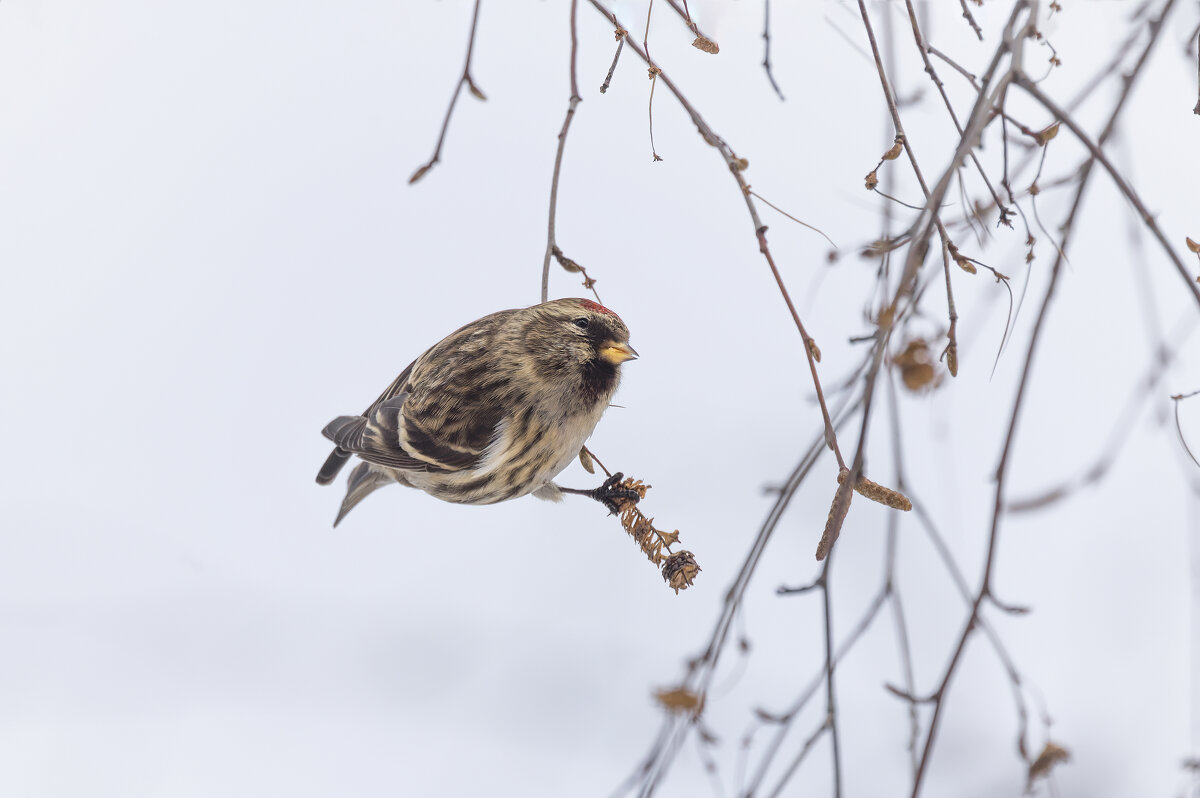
(492, 412)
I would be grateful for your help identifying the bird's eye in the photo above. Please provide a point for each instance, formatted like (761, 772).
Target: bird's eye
(581, 323)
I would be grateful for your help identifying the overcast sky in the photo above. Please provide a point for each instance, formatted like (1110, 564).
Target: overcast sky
(210, 250)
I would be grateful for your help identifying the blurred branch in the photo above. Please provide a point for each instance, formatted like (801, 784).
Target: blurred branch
(1196, 35)
(1122, 429)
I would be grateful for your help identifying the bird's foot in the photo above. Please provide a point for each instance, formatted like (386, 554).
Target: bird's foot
(610, 494)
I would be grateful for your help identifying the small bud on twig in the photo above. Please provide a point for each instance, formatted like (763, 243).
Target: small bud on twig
(417, 175)
(1043, 137)
(894, 152)
(952, 359)
(1050, 756)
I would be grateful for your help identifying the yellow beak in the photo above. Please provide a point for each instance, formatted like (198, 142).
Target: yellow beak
(616, 353)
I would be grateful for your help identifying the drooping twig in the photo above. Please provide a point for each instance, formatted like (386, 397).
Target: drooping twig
(654, 72)
(1178, 400)
(464, 80)
(816, 230)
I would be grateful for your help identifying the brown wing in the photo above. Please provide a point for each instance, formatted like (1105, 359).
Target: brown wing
(439, 415)
(338, 457)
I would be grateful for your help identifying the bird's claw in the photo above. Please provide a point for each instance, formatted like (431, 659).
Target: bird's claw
(608, 494)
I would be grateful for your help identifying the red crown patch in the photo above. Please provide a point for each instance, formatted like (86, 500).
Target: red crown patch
(596, 306)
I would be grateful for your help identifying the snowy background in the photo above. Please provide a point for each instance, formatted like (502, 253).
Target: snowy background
(209, 250)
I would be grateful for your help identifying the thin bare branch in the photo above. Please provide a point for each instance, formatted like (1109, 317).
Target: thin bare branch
(766, 34)
(552, 248)
(816, 230)
(620, 33)
(970, 19)
(464, 80)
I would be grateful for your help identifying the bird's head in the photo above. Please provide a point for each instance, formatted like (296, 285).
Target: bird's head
(579, 335)
(589, 331)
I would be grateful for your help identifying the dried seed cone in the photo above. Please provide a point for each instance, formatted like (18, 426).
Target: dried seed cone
(878, 493)
(837, 515)
(680, 570)
(680, 699)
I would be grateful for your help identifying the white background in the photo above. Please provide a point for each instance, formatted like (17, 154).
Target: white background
(209, 250)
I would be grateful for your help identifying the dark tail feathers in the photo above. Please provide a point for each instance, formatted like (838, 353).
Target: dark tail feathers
(333, 465)
(362, 483)
(344, 431)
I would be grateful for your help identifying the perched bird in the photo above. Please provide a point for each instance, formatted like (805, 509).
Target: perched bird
(492, 412)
